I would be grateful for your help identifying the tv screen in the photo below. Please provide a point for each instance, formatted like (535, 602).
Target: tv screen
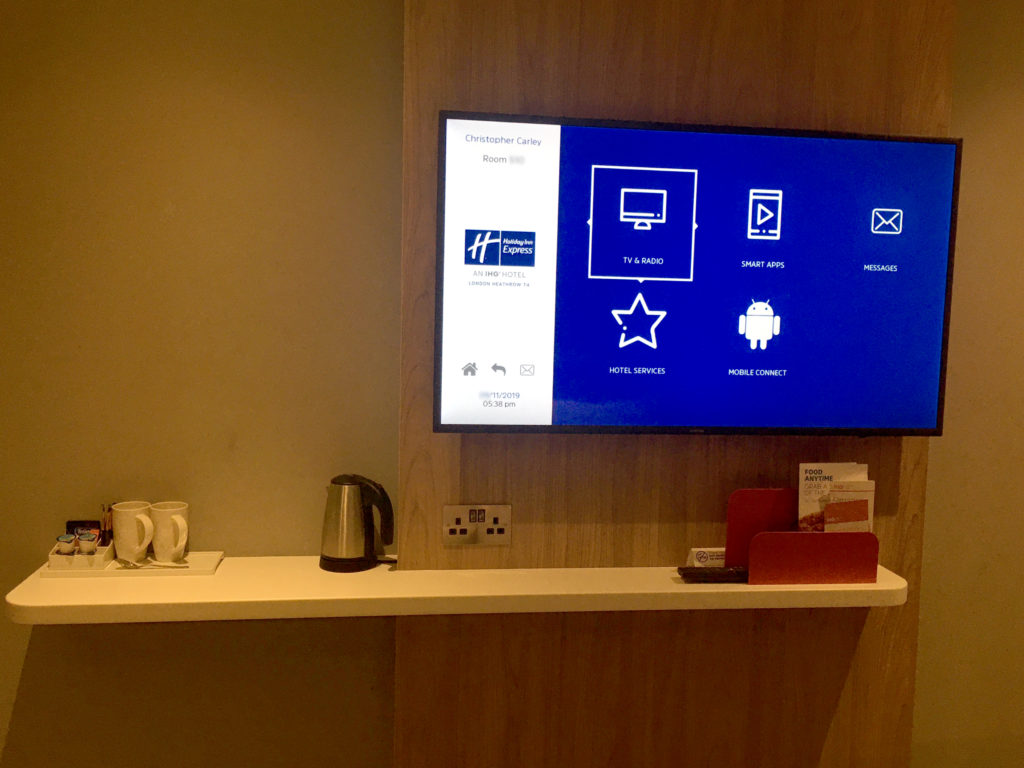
(597, 276)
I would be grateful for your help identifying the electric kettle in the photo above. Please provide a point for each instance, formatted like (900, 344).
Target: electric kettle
(350, 541)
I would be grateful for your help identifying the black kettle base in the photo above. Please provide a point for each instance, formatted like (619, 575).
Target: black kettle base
(347, 564)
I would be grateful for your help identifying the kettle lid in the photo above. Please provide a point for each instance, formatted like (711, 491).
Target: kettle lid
(348, 480)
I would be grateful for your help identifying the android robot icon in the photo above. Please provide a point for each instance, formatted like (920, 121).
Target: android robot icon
(759, 324)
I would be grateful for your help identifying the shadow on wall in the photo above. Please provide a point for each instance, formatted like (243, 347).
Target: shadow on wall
(254, 693)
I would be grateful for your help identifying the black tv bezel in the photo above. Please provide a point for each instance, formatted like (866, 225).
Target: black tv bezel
(598, 429)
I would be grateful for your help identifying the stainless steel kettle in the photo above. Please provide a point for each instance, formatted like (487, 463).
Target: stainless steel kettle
(350, 541)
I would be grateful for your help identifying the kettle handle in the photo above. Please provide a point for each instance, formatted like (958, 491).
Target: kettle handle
(379, 498)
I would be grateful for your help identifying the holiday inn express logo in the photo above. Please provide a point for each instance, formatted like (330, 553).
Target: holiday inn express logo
(497, 248)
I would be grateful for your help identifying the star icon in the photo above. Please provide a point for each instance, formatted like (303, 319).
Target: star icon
(642, 319)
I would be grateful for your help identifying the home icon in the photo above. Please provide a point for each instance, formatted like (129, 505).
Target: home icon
(469, 369)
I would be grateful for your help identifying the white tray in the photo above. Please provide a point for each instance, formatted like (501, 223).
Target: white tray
(199, 564)
(78, 562)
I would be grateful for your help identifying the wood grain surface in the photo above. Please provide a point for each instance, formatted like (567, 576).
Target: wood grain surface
(714, 688)
(623, 689)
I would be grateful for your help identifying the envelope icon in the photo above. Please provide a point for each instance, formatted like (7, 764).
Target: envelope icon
(886, 221)
(527, 369)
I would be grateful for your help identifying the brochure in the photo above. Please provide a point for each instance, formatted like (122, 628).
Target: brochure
(815, 485)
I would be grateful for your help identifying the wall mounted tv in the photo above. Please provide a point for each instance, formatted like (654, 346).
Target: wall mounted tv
(597, 276)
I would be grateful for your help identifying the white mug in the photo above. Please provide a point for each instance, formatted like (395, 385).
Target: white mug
(133, 530)
(170, 530)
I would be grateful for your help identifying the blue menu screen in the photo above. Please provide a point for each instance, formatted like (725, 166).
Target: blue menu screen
(599, 277)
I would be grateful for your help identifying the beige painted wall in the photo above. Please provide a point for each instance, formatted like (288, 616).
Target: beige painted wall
(263, 694)
(970, 679)
(199, 258)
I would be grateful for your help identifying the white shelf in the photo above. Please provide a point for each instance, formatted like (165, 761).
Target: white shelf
(296, 588)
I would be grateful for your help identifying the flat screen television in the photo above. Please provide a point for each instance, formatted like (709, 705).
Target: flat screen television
(598, 276)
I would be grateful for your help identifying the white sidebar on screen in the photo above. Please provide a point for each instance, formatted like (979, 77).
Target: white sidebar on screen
(500, 251)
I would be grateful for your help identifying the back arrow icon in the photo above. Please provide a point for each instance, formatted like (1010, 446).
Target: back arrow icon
(497, 368)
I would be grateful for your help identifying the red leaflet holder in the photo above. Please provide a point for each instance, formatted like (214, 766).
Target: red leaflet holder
(751, 511)
(813, 558)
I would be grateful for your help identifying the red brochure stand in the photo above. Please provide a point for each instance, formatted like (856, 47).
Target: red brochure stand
(751, 511)
(778, 557)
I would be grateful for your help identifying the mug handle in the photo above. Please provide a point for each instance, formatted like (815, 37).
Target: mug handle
(182, 523)
(147, 530)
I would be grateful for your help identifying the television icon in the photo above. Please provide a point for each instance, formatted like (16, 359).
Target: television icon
(642, 207)
(626, 202)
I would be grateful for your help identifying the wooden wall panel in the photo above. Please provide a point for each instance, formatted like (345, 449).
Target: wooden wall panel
(587, 501)
(862, 65)
(715, 688)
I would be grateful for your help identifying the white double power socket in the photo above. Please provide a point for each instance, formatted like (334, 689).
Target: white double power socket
(477, 525)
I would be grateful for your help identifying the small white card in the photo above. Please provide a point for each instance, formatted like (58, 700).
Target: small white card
(706, 557)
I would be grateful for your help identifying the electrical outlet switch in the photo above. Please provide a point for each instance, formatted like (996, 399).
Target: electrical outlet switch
(477, 525)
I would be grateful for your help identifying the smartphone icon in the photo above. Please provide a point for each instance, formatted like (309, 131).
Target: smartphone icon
(764, 214)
